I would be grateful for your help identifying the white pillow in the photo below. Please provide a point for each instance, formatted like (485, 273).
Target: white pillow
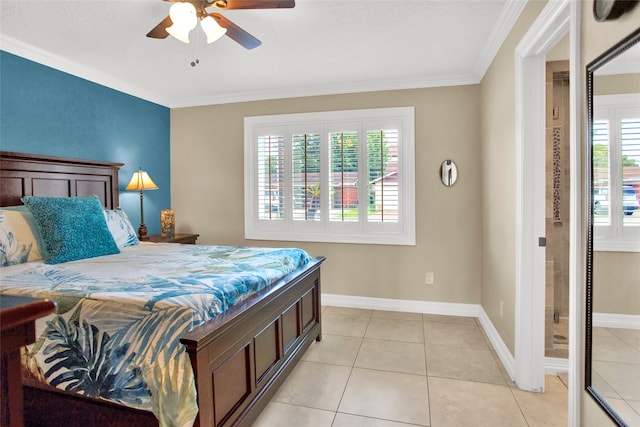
(120, 227)
(19, 237)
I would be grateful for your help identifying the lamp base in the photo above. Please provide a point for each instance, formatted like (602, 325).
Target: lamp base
(142, 233)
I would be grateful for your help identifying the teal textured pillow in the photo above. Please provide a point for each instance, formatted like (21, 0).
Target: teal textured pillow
(72, 228)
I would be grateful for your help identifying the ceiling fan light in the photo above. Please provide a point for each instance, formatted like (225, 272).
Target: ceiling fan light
(179, 33)
(212, 29)
(183, 16)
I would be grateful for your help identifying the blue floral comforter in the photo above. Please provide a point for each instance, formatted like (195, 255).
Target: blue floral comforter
(115, 333)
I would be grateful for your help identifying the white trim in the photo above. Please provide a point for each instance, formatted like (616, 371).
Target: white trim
(613, 320)
(329, 89)
(576, 207)
(408, 306)
(530, 224)
(363, 231)
(507, 18)
(551, 25)
(60, 63)
(555, 365)
(503, 352)
(57, 62)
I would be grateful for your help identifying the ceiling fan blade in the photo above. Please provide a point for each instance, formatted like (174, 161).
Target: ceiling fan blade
(236, 33)
(253, 4)
(160, 30)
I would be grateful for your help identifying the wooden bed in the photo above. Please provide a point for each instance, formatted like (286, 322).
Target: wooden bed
(239, 358)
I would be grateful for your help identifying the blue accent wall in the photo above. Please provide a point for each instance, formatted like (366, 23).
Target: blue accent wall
(46, 111)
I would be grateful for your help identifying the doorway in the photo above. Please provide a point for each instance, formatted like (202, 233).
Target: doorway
(557, 19)
(557, 191)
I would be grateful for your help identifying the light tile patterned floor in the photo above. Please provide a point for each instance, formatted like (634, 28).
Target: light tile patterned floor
(616, 370)
(390, 369)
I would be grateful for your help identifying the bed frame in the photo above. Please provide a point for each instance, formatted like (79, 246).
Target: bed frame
(239, 358)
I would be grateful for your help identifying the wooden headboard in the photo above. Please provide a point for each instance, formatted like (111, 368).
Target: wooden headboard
(36, 175)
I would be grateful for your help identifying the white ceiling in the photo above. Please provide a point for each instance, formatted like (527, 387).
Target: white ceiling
(318, 47)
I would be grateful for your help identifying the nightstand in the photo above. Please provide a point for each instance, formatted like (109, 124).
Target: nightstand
(17, 328)
(185, 239)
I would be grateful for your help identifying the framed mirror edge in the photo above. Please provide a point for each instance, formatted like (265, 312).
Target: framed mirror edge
(606, 407)
(612, 53)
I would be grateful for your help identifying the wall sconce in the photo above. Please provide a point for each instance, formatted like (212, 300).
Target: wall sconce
(141, 181)
(448, 173)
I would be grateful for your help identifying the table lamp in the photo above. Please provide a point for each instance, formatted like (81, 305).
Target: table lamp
(141, 181)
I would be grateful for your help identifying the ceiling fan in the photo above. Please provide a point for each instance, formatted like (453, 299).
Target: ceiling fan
(184, 16)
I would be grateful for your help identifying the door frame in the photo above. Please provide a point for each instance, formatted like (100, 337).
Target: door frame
(556, 20)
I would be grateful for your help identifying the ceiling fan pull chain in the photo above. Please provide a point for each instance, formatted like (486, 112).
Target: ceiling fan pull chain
(194, 50)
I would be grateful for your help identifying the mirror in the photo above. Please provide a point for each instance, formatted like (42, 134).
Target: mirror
(612, 333)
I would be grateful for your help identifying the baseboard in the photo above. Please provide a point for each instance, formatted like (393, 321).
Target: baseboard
(409, 306)
(501, 349)
(555, 365)
(622, 321)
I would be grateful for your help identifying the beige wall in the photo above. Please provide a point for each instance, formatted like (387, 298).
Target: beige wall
(615, 279)
(207, 192)
(596, 38)
(465, 234)
(499, 180)
(613, 84)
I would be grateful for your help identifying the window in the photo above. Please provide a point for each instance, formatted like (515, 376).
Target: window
(340, 176)
(616, 173)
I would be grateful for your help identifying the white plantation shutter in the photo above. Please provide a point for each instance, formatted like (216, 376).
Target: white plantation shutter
(601, 212)
(343, 176)
(616, 170)
(630, 136)
(382, 171)
(270, 177)
(306, 190)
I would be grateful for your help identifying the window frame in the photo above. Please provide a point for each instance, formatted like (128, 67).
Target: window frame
(615, 237)
(324, 230)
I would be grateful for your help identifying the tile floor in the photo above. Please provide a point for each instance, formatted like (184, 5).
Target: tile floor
(390, 369)
(616, 370)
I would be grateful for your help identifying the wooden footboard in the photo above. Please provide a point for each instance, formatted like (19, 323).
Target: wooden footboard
(240, 358)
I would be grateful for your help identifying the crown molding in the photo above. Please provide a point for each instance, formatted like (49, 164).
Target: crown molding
(506, 20)
(323, 90)
(43, 57)
(59, 63)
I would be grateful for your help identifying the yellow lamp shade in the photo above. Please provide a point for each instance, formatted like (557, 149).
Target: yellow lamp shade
(141, 181)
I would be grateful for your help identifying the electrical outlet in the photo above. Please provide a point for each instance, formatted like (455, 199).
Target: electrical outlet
(428, 278)
(501, 308)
